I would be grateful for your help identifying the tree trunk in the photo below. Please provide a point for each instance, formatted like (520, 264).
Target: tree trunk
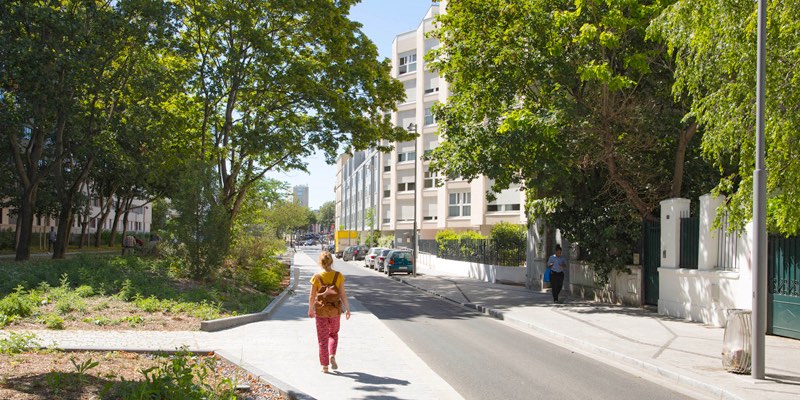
(117, 209)
(128, 202)
(680, 157)
(25, 225)
(105, 209)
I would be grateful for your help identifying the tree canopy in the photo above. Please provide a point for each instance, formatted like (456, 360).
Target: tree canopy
(714, 47)
(571, 100)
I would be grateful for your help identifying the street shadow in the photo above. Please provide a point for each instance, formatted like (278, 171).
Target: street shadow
(378, 387)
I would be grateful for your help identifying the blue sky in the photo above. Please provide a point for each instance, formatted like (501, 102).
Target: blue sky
(382, 20)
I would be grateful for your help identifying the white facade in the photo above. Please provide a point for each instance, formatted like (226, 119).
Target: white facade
(397, 186)
(300, 195)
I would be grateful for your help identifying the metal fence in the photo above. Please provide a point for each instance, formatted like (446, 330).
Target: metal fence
(728, 247)
(485, 251)
(690, 238)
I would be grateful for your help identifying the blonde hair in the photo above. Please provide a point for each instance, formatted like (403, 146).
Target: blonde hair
(325, 259)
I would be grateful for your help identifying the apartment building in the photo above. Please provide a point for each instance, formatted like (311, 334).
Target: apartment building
(139, 220)
(300, 195)
(397, 188)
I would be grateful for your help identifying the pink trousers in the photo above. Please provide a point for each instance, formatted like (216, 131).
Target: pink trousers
(328, 337)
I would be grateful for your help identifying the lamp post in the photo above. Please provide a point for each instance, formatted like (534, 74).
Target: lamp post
(759, 317)
(412, 127)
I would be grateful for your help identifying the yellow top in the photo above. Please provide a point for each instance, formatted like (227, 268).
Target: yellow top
(327, 278)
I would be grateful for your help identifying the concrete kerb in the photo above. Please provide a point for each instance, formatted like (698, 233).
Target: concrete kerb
(287, 390)
(563, 340)
(239, 320)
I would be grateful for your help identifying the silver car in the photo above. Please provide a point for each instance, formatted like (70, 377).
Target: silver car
(369, 259)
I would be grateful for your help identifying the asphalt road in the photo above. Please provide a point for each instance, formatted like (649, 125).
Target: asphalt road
(482, 358)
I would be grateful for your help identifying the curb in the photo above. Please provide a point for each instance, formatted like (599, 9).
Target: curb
(561, 338)
(287, 390)
(239, 320)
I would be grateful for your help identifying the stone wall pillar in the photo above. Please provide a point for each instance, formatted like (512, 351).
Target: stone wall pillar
(671, 212)
(708, 249)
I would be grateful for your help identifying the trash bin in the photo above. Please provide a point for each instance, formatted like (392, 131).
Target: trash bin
(736, 352)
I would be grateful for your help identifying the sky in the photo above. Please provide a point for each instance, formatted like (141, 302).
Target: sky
(382, 20)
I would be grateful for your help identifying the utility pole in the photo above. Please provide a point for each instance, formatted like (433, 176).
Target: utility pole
(759, 320)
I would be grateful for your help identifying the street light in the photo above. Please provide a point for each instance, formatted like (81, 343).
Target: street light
(412, 127)
(759, 317)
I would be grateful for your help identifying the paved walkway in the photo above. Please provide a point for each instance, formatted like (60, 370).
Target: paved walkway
(283, 349)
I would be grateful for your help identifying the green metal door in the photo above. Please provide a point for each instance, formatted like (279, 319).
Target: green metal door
(651, 260)
(783, 263)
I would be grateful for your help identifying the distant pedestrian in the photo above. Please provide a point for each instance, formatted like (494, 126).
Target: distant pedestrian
(325, 305)
(557, 264)
(51, 239)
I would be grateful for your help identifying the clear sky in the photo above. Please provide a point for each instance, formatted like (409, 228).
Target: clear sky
(382, 20)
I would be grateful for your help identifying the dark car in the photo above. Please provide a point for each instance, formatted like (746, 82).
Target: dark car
(360, 252)
(399, 261)
(380, 258)
(348, 253)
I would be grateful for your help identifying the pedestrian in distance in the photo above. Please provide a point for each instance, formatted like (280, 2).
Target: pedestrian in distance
(557, 264)
(325, 303)
(51, 239)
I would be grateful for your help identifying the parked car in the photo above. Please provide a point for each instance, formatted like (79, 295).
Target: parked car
(399, 261)
(369, 259)
(361, 252)
(380, 258)
(348, 253)
(330, 248)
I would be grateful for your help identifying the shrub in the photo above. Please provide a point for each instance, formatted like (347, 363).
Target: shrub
(8, 239)
(17, 304)
(266, 278)
(17, 343)
(84, 291)
(53, 321)
(509, 240)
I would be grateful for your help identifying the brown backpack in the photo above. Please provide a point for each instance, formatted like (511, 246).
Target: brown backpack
(328, 302)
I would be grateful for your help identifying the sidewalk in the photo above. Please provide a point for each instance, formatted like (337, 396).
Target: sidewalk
(680, 351)
(283, 350)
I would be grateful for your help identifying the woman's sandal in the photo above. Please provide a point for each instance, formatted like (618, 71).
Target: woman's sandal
(324, 369)
(333, 363)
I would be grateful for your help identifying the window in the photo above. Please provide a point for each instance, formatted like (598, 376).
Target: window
(459, 205)
(431, 180)
(387, 168)
(502, 207)
(429, 120)
(94, 223)
(407, 186)
(1, 216)
(386, 192)
(408, 64)
(408, 156)
(430, 212)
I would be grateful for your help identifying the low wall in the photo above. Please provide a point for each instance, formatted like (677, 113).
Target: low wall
(484, 272)
(700, 295)
(622, 288)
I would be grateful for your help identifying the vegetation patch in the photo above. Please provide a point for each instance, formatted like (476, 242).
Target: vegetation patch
(122, 375)
(103, 291)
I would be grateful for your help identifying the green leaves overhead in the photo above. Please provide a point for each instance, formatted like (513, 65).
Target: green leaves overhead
(714, 47)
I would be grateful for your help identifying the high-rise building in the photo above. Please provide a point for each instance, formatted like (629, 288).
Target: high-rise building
(396, 188)
(300, 195)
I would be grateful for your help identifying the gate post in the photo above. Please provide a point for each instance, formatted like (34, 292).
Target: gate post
(708, 247)
(671, 210)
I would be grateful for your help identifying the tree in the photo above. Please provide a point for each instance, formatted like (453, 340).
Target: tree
(62, 65)
(277, 81)
(714, 47)
(327, 215)
(570, 100)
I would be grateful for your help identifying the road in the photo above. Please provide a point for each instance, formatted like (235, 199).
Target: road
(483, 358)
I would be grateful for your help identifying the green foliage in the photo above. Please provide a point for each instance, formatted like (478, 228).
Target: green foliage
(714, 48)
(53, 321)
(385, 241)
(16, 343)
(7, 239)
(127, 278)
(569, 100)
(182, 376)
(84, 291)
(509, 240)
(17, 304)
(267, 278)
(327, 214)
(371, 238)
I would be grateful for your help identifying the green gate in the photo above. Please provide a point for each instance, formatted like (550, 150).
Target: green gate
(651, 260)
(783, 263)
(690, 242)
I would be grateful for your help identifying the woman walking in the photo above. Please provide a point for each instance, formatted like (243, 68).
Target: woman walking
(325, 304)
